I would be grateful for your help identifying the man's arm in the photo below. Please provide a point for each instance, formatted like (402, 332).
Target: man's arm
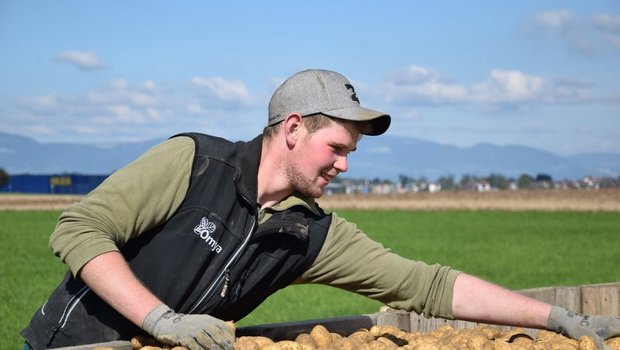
(109, 276)
(137, 197)
(481, 301)
(477, 300)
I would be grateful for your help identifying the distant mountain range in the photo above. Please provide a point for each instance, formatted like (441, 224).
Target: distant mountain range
(385, 157)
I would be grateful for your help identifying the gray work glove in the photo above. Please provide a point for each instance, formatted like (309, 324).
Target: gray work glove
(575, 325)
(195, 332)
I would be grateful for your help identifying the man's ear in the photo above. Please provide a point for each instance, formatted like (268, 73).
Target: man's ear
(292, 124)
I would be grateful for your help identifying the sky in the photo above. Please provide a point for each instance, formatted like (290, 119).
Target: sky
(543, 74)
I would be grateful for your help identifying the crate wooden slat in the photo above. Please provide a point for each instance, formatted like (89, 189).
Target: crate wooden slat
(602, 299)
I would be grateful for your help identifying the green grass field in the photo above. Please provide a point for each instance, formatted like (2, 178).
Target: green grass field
(514, 249)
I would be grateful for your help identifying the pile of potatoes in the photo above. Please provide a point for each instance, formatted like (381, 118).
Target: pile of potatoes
(390, 337)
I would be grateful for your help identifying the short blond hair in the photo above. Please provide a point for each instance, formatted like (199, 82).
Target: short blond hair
(313, 123)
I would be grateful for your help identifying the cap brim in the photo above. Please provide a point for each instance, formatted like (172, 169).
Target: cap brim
(374, 122)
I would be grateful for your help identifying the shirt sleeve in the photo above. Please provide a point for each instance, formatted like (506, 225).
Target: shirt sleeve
(350, 260)
(132, 200)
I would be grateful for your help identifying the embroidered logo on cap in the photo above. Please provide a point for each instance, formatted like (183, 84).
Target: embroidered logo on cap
(353, 95)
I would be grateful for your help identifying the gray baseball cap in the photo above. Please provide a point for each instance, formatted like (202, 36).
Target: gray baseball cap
(316, 91)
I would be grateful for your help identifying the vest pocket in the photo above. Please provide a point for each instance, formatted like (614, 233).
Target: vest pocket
(262, 267)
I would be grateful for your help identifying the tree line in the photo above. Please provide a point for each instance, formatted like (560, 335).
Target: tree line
(4, 177)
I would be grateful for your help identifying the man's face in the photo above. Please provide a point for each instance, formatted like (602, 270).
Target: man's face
(318, 157)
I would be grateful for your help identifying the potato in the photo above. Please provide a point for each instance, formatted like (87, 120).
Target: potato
(306, 341)
(383, 329)
(538, 346)
(138, 342)
(246, 343)
(512, 334)
(346, 344)
(613, 343)
(521, 340)
(261, 341)
(567, 343)
(548, 335)
(283, 345)
(425, 346)
(489, 332)
(335, 337)
(479, 341)
(586, 343)
(500, 344)
(422, 338)
(362, 336)
(321, 336)
(378, 345)
(390, 344)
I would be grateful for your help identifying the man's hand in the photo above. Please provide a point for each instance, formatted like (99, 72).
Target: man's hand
(575, 325)
(195, 332)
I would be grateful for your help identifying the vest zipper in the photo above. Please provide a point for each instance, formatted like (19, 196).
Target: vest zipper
(224, 273)
(225, 287)
(62, 321)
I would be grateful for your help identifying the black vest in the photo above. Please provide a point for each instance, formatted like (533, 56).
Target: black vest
(210, 257)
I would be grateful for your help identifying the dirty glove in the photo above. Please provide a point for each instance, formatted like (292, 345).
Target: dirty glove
(195, 332)
(575, 325)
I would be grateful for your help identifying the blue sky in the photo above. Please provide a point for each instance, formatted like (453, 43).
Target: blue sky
(544, 74)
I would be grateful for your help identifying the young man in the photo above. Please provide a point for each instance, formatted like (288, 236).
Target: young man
(200, 230)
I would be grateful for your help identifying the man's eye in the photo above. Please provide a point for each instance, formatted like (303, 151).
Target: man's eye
(340, 150)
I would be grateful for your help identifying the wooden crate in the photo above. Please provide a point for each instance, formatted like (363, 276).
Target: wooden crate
(598, 299)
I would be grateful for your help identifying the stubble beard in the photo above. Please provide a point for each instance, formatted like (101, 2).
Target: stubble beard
(303, 184)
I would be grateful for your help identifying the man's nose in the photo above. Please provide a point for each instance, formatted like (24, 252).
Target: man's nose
(341, 164)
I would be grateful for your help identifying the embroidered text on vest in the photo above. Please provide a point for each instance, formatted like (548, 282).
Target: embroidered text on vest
(204, 230)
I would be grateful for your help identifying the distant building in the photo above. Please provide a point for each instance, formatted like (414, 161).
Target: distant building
(52, 184)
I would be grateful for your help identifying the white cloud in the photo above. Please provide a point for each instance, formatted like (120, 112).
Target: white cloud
(195, 108)
(118, 91)
(41, 103)
(384, 149)
(558, 21)
(39, 129)
(82, 59)
(413, 74)
(121, 110)
(221, 90)
(606, 22)
(581, 33)
(508, 87)
(614, 40)
(501, 87)
(609, 26)
(422, 84)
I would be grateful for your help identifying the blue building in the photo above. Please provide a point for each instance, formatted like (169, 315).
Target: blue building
(52, 184)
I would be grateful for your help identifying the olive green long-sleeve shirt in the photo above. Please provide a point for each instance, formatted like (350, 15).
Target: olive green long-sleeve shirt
(147, 192)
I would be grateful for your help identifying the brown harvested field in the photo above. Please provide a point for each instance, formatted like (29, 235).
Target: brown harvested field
(546, 200)
(36, 201)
